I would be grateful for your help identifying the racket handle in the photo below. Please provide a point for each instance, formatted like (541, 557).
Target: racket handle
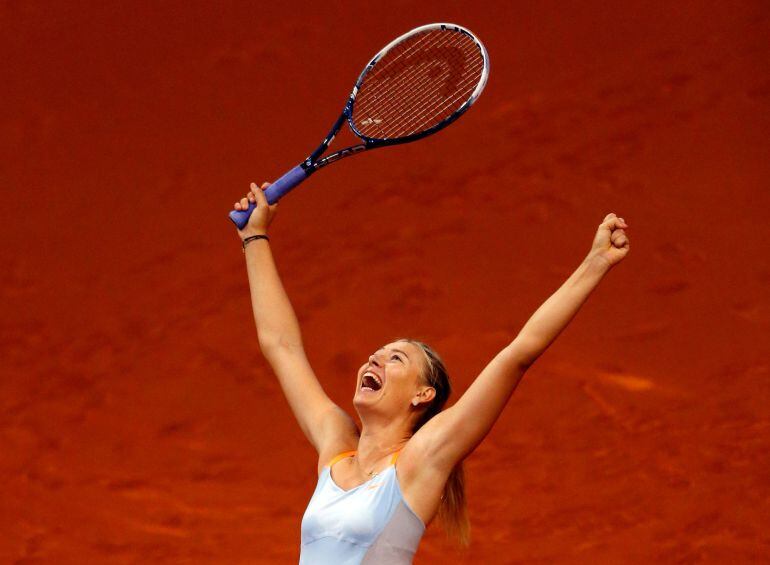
(273, 193)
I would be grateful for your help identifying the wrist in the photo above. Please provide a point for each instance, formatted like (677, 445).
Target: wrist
(250, 233)
(597, 264)
(247, 241)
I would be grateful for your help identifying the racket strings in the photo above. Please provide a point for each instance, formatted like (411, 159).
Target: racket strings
(390, 93)
(410, 88)
(403, 104)
(391, 67)
(418, 112)
(442, 112)
(417, 84)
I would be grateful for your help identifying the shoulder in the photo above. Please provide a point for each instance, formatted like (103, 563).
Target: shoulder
(342, 437)
(418, 457)
(420, 478)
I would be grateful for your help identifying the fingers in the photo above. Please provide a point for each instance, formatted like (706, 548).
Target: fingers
(258, 194)
(253, 196)
(612, 222)
(619, 238)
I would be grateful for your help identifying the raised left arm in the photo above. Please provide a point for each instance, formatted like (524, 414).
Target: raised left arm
(452, 434)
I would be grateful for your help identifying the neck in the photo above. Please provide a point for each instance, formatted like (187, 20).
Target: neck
(379, 439)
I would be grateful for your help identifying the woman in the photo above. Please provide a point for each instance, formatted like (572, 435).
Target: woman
(379, 487)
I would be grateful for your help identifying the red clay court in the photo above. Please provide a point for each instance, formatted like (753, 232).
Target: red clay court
(138, 420)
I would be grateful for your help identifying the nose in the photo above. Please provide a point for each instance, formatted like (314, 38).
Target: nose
(373, 360)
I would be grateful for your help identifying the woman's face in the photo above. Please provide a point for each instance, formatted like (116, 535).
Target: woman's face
(391, 378)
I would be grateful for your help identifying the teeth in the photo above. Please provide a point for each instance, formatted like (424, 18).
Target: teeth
(375, 377)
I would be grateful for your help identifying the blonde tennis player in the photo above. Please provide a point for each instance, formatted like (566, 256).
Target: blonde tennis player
(381, 485)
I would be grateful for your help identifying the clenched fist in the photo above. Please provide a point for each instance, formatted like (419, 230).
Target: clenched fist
(611, 242)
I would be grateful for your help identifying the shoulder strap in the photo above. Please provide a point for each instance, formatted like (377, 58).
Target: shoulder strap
(339, 457)
(393, 459)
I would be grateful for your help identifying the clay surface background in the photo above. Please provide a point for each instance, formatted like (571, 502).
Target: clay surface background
(138, 420)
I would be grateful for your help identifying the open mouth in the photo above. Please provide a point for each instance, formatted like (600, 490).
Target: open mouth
(370, 382)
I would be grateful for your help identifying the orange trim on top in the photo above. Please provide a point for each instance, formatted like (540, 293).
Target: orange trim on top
(340, 456)
(350, 453)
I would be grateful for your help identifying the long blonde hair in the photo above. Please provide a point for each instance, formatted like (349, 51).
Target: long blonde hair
(452, 513)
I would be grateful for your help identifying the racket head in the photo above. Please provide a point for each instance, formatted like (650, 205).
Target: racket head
(418, 84)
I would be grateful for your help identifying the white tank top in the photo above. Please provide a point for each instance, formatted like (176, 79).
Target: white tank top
(368, 524)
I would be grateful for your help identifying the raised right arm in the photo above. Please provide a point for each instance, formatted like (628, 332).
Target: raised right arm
(324, 423)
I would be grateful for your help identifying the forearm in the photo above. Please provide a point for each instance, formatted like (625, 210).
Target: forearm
(555, 314)
(273, 314)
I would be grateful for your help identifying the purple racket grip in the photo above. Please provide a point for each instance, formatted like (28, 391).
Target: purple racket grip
(273, 193)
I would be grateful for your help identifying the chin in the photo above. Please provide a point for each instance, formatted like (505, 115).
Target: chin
(365, 398)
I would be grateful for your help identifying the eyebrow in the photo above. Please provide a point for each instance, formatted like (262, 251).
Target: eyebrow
(396, 350)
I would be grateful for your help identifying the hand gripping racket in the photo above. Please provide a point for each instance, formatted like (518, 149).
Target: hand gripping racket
(418, 84)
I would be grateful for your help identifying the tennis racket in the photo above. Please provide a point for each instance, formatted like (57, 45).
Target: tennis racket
(417, 85)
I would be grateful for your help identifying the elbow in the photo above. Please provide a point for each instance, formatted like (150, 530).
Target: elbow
(269, 344)
(522, 355)
(523, 363)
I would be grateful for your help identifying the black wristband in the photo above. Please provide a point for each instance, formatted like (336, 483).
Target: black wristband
(252, 238)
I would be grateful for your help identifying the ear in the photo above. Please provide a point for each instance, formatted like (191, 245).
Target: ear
(424, 396)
